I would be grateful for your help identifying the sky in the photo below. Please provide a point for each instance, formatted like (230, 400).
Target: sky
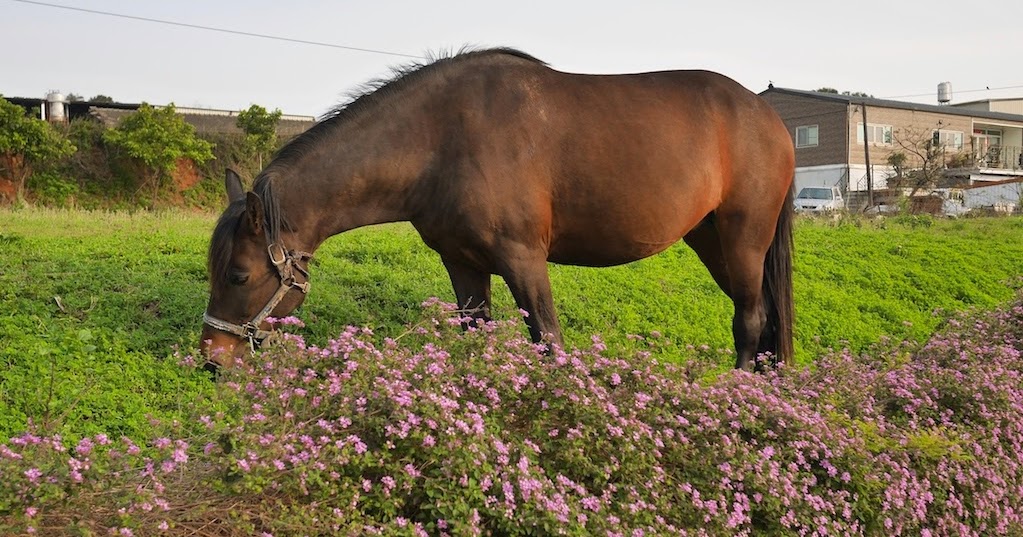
(890, 49)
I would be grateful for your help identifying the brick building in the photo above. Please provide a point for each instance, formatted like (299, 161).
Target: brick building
(976, 144)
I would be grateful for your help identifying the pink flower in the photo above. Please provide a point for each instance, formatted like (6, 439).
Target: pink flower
(84, 446)
(132, 448)
(33, 474)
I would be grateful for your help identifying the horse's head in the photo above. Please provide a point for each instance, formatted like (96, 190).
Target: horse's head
(253, 274)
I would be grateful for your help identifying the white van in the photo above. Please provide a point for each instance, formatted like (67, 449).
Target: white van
(819, 199)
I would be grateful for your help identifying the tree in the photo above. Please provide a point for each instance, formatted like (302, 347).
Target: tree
(27, 142)
(826, 90)
(260, 129)
(101, 99)
(157, 138)
(919, 162)
(74, 98)
(897, 160)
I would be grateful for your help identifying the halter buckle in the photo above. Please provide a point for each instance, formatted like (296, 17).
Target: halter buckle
(283, 254)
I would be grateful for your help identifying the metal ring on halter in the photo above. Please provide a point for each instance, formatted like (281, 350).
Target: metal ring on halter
(270, 252)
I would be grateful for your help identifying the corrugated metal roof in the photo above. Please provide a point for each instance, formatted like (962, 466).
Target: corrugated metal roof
(204, 122)
(203, 119)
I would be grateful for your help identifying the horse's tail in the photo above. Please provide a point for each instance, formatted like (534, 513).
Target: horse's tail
(777, 287)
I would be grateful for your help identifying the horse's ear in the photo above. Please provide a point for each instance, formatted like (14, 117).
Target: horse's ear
(254, 212)
(233, 183)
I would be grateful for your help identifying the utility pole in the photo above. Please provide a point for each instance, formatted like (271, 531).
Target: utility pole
(866, 157)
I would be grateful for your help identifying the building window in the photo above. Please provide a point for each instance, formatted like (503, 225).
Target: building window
(949, 139)
(806, 136)
(876, 134)
(993, 136)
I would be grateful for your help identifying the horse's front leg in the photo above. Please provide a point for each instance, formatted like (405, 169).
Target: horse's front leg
(472, 290)
(530, 284)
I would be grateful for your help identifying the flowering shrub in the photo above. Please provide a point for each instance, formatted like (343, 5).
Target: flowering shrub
(445, 432)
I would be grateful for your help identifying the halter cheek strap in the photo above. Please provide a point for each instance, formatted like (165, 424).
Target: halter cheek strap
(285, 261)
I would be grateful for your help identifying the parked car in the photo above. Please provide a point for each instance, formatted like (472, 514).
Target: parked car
(819, 199)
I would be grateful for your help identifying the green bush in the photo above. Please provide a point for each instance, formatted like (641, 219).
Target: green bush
(27, 144)
(53, 189)
(157, 139)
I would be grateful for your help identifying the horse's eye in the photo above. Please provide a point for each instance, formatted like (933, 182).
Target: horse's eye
(238, 278)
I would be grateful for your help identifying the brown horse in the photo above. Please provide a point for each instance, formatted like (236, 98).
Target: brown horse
(503, 165)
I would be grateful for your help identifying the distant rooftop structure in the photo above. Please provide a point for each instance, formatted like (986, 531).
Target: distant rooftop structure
(1006, 106)
(205, 120)
(952, 109)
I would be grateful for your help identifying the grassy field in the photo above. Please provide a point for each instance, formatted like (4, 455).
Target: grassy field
(93, 305)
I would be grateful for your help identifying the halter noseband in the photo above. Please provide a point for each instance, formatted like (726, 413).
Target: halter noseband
(285, 263)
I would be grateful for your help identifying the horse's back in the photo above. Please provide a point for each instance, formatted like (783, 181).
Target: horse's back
(608, 169)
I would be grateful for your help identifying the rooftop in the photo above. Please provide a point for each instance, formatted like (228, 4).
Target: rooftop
(888, 103)
(203, 119)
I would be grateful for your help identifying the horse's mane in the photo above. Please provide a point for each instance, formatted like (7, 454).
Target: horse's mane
(372, 93)
(222, 244)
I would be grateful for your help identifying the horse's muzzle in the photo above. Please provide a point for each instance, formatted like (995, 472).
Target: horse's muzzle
(221, 348)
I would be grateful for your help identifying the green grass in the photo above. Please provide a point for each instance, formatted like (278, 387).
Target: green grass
(92, 305)
(855, 284)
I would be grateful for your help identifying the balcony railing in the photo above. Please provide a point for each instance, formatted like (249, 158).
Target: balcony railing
(999, 157)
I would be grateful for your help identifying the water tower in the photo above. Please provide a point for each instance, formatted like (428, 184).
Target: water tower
(944, 93)
(56, 107)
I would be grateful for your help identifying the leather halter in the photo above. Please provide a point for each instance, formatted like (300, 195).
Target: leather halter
(285, 261)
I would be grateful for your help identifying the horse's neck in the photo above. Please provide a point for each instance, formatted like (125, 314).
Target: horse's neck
(370, 179)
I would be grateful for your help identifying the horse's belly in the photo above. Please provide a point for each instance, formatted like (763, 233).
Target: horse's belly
(623, 229)
(597, 250)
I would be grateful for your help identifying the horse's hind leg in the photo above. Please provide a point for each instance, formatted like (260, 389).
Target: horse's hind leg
(472, 289)
(744, 242)
(706, 242)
